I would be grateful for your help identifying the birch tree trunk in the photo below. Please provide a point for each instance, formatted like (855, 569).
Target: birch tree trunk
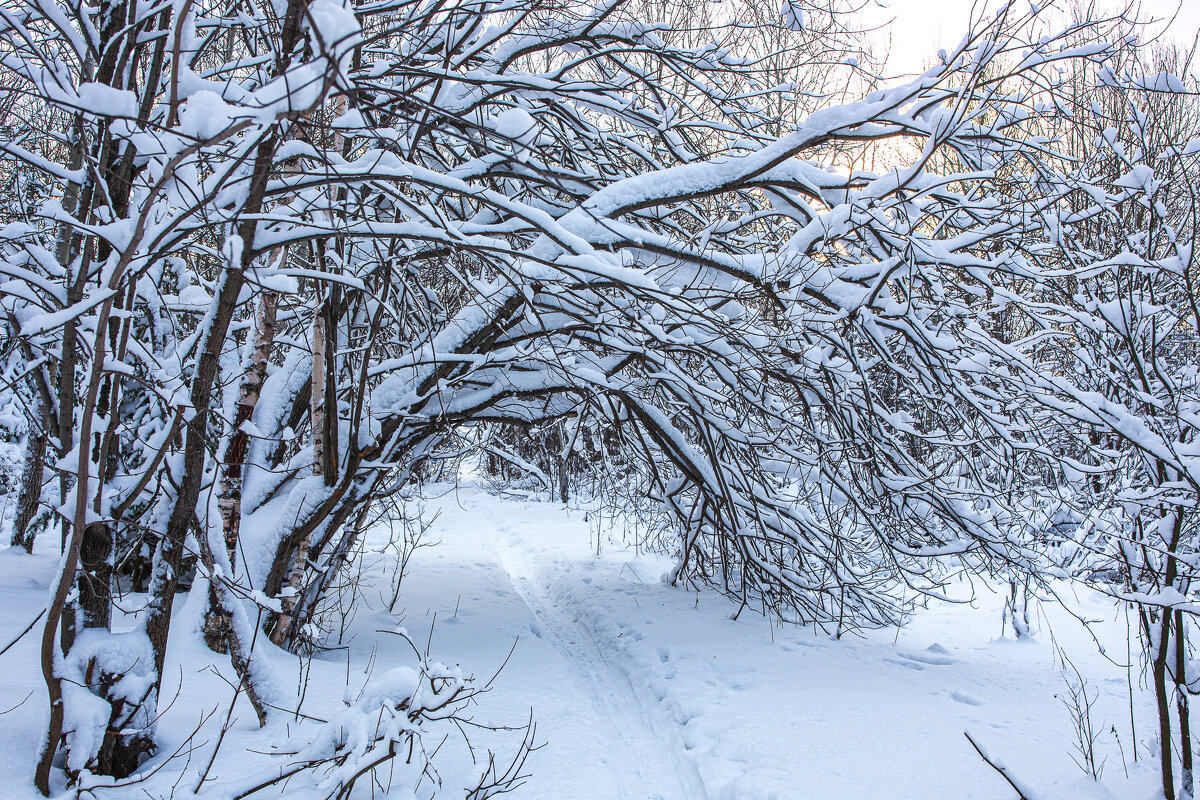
(218, 623)
(230, 499)
(317, 413)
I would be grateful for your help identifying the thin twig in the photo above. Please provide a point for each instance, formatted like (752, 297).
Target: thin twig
(1022, 792)
(21, 635)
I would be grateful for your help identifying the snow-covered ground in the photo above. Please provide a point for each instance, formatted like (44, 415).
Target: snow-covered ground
(642, 690)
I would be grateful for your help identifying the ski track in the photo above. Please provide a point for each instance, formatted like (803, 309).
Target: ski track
(646, 752)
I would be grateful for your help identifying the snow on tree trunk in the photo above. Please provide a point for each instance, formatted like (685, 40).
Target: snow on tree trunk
(321, 466)
(218, 620)
(230, 498)
(30, 492)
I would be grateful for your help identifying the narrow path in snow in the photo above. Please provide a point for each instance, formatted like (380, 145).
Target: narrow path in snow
(646, 751)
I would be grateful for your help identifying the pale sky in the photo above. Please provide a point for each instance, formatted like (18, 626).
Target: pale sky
(922, 27)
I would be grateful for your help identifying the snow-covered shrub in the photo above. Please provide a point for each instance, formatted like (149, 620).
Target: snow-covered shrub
(389, 735)
(12, 430)
(107, 678)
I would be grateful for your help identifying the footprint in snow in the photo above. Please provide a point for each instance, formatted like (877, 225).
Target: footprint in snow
(905, 664)
(966, 699)
(934, 656)
(794, 646)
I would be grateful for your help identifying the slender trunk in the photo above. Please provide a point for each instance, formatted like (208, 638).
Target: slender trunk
(62, 607)
(169, 558)
(63, 428)
(1181, 708)
(307, 600)
(317, 413)
(329, 414)
(230, 500)
(1170, 575)
(562, 479)
(30, 493)
(317, 399)
(1162, 698)
(293, 591)
(240, 653)
(218, 623)
(68, 357)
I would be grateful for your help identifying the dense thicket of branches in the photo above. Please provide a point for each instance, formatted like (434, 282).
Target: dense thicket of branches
(264, 263)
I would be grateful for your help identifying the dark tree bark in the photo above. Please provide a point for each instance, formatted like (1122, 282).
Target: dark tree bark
(1162, 699)
(1181, 707)
(94, 579)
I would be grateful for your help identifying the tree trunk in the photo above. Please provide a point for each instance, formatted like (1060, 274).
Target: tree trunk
(562, 479)
(230, 499)
(1181, 707)
(94, 580)
(294, 589)
(317, 399)
(1162, 698)
(317, 414)
(217, 623)
(169, 558)
(30, 493)
(221, 607)
(122, 749)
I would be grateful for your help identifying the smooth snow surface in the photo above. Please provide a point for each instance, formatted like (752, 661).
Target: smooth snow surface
(643, 690)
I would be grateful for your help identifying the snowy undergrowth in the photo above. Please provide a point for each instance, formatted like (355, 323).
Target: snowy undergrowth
(639, 689)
